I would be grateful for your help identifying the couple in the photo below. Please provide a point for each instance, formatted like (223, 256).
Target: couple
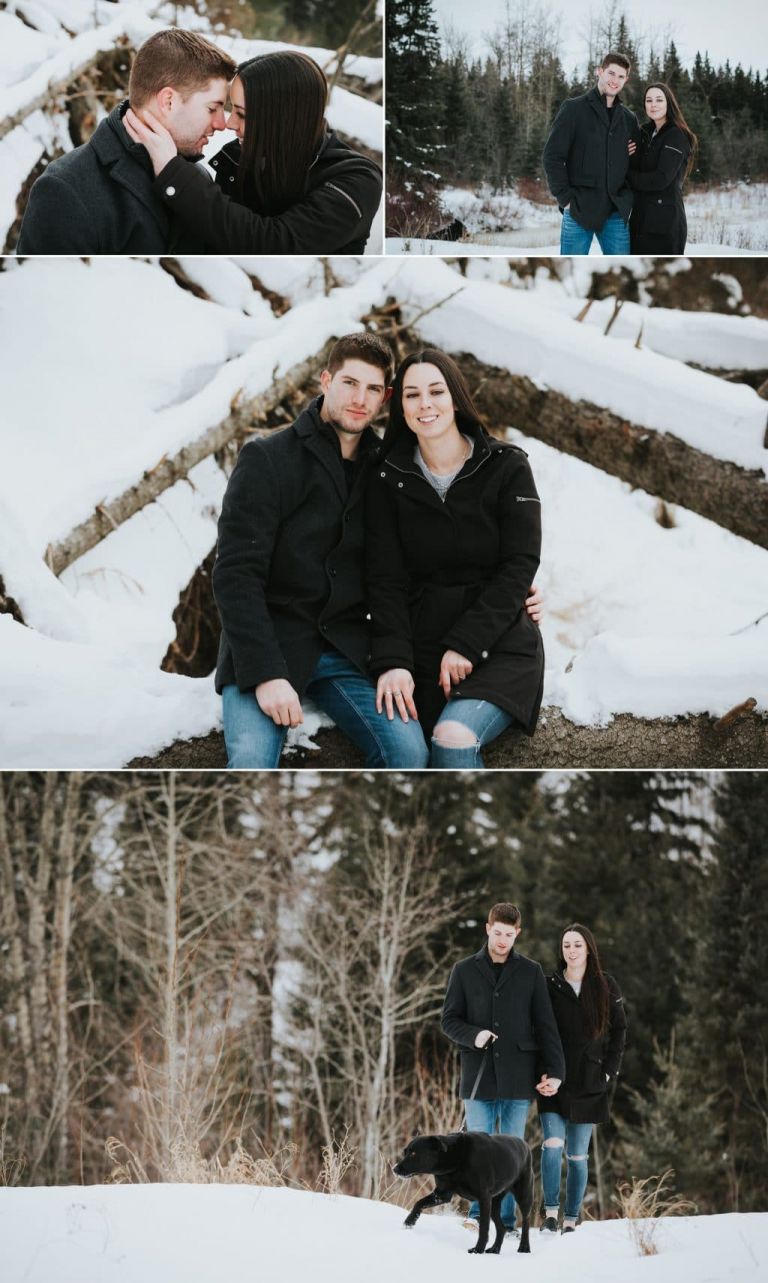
(285, 185)
(517, 1032)
(389, 581)
(615, 180)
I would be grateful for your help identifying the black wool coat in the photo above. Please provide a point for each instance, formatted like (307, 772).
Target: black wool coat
(334, 215)
(658, 224)
(586, 158)
(515, 1006)
(288, 575)
(101, 199)
(455, 575)
(584, 1095)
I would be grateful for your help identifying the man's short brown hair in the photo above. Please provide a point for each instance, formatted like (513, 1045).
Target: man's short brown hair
(505, 912)
(618, 60)
(367, 347)
(181, 60)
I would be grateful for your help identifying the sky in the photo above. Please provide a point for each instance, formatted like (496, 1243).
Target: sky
(736, 29)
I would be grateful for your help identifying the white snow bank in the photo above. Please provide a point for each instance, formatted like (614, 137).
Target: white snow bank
(198, 1233)
(515, 330)
(655, 676)
(67, 705)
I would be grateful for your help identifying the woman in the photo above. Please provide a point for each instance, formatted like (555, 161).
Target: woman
(590, 1017)
(453, 535)
(286, 185)
(657, 172)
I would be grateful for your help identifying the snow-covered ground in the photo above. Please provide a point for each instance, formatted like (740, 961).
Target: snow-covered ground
(46, 41)
(726, 220)
(201, 1233)
(640, 618)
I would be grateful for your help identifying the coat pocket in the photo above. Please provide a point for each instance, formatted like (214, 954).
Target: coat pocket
(660, 215)
(593, 1075)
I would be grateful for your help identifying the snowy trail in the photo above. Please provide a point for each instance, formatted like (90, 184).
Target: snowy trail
(204, 1233)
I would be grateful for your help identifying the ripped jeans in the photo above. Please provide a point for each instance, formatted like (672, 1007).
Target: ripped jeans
(574, 1139)
(484, 720)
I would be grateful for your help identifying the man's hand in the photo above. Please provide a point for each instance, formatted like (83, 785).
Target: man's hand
(394, 691)
(548, 1086)
(632, 147)
(484, 1037)
(153, 135)
(534, 604)
(453, 669)
(278, 700)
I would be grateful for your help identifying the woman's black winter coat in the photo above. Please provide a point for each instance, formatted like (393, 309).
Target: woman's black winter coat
(583, 1096)
(455, 575)
(658, 224)
(333, 216)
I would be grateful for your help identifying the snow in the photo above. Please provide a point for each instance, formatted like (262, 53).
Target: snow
(196, 1233)
(513, 330)
(732, 220)
(68, 704)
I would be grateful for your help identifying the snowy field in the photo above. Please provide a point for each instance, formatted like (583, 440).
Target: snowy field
(728, 220)
(199, 1233)
(640, 618)
(46, 42)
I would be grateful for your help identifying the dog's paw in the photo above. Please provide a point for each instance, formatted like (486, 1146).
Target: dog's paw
(410, 1221)
(493, 1251)
(524, 1248)
(476, 1251)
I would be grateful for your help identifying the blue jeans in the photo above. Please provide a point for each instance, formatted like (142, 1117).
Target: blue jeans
(575, 1138)
(613, 235)
(254, 742)
(482, 718)
(508, 1118)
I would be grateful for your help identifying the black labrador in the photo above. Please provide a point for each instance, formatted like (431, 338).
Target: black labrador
(474, 1166)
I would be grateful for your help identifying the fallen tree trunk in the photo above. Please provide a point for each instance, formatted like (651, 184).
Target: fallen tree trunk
(664, 743)
(658, 462)
(170, 469)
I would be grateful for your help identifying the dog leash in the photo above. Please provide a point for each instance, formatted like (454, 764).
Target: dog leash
(473, 1093)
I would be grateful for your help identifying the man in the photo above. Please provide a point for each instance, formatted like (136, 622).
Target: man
(586, 159)
(498, 1011)
(99, 198)
(288, 578)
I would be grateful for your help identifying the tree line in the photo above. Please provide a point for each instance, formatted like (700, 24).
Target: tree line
(201, 976)
(455, 118)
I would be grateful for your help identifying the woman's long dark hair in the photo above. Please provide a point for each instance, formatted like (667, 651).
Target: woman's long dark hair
(285, 100)
(595, 998)
(467, 416)
(675, 117)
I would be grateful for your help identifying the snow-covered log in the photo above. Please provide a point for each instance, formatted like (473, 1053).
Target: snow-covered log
(169, 469)
(658, 462)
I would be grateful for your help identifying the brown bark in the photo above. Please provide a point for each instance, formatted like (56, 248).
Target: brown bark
(658, 462)
(170, 469)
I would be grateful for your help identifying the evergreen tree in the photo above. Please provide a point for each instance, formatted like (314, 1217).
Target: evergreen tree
(414, 105)
(726, 1035)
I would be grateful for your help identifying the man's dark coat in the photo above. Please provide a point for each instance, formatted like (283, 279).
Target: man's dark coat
(333, 215)
(455, 575)
(288, 577)
(586, 158)
(656, 175)
(100, 199)
(583, 1097)
(515, 1006)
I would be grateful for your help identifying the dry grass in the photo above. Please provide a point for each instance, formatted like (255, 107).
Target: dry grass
(645, 1203)
(187, 1166)
(338, 1160)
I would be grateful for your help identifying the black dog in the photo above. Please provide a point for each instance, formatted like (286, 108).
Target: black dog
(452, 231)
(474, 1166)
